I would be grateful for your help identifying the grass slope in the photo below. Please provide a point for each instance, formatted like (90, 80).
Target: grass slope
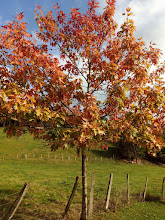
(51, 183)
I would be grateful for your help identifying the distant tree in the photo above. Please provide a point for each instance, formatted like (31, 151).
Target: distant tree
(38, 91)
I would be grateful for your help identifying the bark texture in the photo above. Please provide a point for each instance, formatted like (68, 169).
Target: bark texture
(84, 188)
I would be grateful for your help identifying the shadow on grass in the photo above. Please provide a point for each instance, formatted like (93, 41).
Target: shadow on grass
(149, 198)
(7, 197)
(152, 198)
(25, 210)
(112, 152)
(7, 193)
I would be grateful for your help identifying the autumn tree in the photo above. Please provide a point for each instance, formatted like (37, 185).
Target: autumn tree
(61, 95)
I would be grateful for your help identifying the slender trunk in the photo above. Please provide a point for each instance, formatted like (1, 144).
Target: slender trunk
(84, 188)
(90, 210)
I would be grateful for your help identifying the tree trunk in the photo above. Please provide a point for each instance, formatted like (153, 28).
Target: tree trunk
(84, 188)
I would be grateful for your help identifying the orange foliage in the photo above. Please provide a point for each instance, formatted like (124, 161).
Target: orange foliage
(37, 91)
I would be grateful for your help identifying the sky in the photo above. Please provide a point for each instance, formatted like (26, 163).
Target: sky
(149, 15)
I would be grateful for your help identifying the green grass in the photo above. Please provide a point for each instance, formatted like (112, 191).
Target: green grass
(51, 183)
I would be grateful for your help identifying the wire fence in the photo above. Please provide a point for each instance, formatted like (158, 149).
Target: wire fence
(53, 157)
(6, 202)
(8, 208)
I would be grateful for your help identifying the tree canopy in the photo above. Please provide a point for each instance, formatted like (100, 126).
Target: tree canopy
(55, 97)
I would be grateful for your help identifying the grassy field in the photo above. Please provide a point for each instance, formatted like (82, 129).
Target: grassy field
(51, 181)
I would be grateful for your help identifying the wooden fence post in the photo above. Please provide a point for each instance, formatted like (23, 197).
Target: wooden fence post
(91, 198)
(163, 188)
(71, 197)
(128, 190)
(109, 191)
(17, 202)
(145, 190)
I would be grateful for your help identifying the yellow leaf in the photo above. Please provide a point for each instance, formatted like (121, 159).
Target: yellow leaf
(17, 107)
(38, 112)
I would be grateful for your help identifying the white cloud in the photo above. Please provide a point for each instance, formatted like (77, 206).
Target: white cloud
(149, 18)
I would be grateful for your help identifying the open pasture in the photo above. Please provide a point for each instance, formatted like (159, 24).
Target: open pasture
(51, 181)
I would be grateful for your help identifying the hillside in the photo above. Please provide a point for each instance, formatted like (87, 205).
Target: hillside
(51, 180)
